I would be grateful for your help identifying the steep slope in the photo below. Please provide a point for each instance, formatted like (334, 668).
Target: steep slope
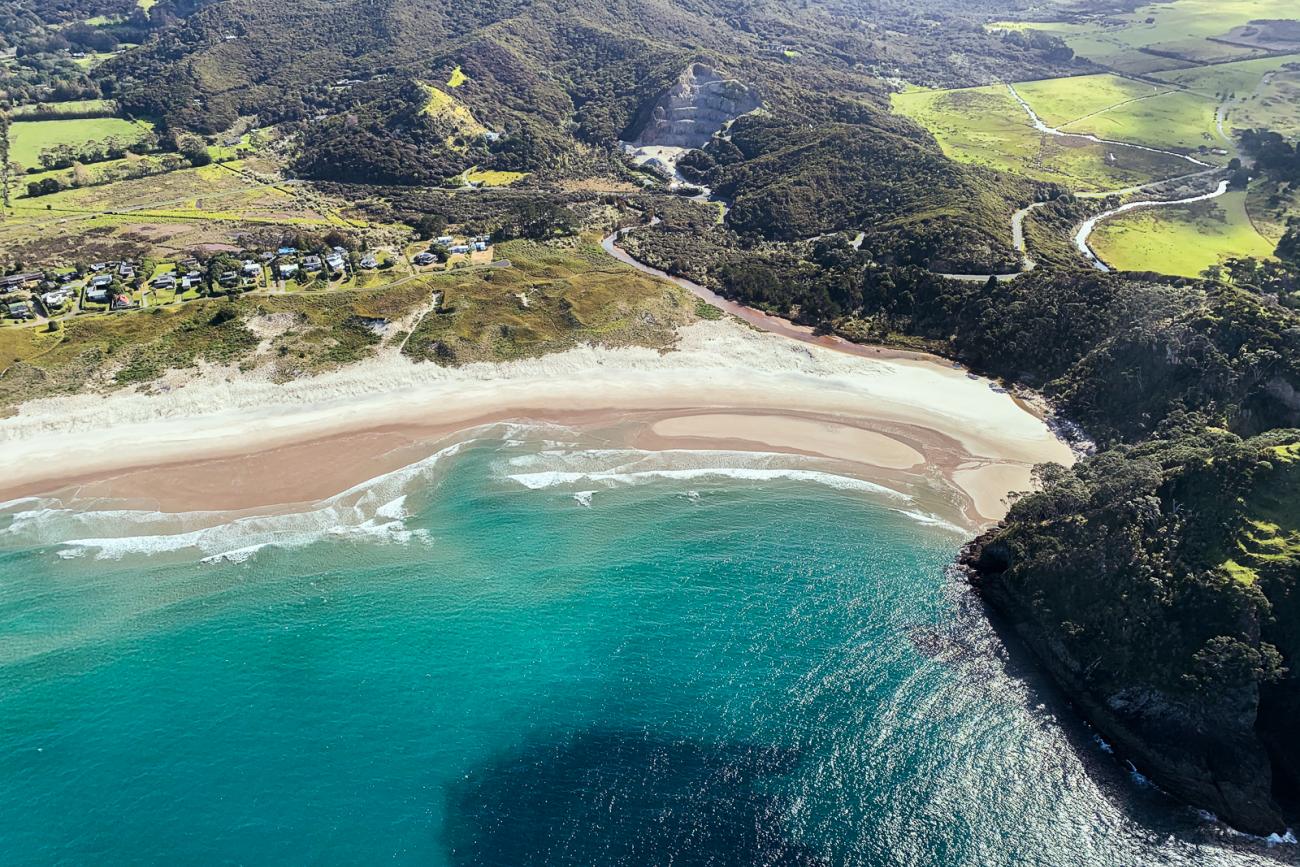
(699, 104)
(1124, 577)
(593, 67)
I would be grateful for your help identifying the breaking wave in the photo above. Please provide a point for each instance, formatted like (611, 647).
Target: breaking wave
(378, 510)
(611, 468)
(375, 510)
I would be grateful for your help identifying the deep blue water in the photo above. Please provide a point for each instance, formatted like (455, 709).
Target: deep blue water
(708, 671)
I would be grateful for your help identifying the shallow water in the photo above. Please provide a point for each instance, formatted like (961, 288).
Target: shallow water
(476, 666)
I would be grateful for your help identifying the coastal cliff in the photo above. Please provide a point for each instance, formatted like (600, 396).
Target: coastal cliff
(1158, 586)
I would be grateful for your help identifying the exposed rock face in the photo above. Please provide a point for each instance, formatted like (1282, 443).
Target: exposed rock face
(1207, 753)
(700, 104)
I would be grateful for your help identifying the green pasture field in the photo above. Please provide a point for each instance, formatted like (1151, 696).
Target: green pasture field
(1123, 109)
(72, 106)
(1223, 79)
(28, 138)
(1183, 240)
(1275, 107)
(1060, 101)
(93, 173)
(1177, 121)
(1181, 28)
(985, 126)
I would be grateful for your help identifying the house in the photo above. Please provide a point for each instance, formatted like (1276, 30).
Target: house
(228, 279)
(335, 262)
(424, 259)
(369, 263)
(57, 298)
(444, 241)
(187, 283)
(98, 266)
(251, 270)
(96, 294)
(68, 277)
(126, 270)
(100, 281)
(15, 281)
(122, 302)
(166, 281)
(286, 269)
(287, 251)
(312, 264)
(342, 251)
(480, 246)
(21, 310)
(266, 257)
(460, 248)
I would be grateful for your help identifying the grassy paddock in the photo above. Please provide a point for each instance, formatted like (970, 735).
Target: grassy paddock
(29, 137)
(1182, 240)
(985, 126)
(1179, 29)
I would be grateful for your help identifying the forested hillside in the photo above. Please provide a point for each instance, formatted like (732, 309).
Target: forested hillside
(556, 85)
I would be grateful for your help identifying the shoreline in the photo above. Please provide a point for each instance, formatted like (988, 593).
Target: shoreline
(238, 443)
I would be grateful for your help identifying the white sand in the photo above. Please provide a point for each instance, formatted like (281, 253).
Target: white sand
(953, 419)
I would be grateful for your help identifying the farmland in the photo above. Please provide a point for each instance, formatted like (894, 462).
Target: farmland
(1165, 36)
(1123, 109)
(71, 108)
(985, 126)
(1182, 240)
(28, 138)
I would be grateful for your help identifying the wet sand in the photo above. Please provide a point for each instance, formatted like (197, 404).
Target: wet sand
(240, 443)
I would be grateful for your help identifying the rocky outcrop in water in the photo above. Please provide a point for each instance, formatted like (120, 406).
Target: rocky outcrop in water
(701, 103)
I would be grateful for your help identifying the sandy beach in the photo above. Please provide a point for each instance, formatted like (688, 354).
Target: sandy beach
(237, 442)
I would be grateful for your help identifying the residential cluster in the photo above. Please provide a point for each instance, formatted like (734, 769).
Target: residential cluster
(445, 247)
(130, 285)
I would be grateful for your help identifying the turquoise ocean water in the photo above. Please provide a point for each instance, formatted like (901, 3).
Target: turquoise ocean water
(685, 667)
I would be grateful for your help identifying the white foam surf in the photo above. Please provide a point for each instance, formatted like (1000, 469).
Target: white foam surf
(611, 468)
(372, 510)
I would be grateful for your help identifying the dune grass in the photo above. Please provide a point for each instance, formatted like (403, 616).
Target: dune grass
(576, 294)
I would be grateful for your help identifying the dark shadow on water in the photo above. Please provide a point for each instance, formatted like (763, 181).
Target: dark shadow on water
(623, 798)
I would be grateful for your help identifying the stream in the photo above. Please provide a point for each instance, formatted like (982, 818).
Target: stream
(1085, 230)
(1081, 237)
